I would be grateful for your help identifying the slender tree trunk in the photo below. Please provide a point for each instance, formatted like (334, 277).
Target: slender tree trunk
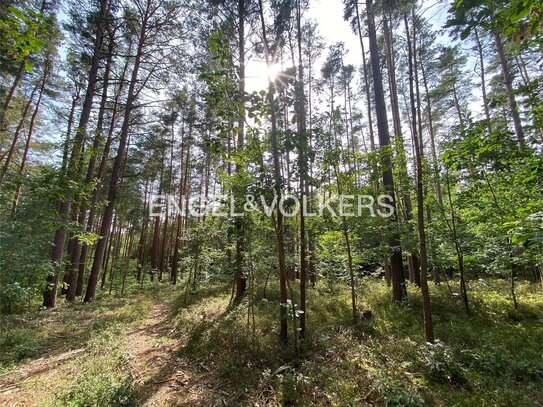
(365, 71)
(66, 145)
(13, 146)
(508, 82)
(399, 292)
(9, 97)
(117, 164)
(50, 293)
(240, 278)
(483, 80)
(182, 193)
(512, 266)
(457, 247)
(433, 148)
(128, 250)
(278, 190)
(457, 106)
(109, 244)
(399, 141)
(141, 244)
(302, 130)
(163, 261)
(417, 139)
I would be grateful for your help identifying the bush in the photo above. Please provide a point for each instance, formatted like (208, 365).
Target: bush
(393, 391)
(17, 345)
(441, 364)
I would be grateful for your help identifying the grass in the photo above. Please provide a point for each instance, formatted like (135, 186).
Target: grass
(101, 377)
(44, 332)
(87, 338)
(491, 358)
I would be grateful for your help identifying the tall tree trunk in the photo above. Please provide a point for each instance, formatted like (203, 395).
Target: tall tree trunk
(73, 265)
(163, 256)
(67, 139)
(508, 82)
(278, 190)
(483, 80)
(155, 246)
(399, 292)
(399, 142)
(143, 232)
(99, 176)
(240, 232)
(117, 164)
(417, 139)
(302, 166)
(457, 246)
(365, 71)
(457, 106)
(182, 193)
(433, 148)
(50, 293)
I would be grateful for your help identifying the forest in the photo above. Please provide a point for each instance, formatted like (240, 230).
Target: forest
(271, 203)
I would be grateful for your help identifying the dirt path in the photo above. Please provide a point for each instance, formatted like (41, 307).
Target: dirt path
(163, 378)
(156, 369)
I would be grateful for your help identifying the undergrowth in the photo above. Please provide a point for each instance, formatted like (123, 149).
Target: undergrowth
(492, 357)
(101, 377)
(489, 358)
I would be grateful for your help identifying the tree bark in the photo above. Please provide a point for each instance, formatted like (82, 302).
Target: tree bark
(508, 82)
(117, 164)
(483, 80)
(240, 232)
(302, 134)
(278, 190)
(50, 293)
(366, 80)
(417, 139)
(75, 256)
(399, 291)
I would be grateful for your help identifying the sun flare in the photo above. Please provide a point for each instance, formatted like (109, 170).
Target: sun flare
(272, 72)
(258, 74)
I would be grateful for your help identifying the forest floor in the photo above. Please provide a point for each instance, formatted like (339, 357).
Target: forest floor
(164, 346)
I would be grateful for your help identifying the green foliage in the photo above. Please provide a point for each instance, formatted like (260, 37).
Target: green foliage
(18, 344)
(518, 19)
(293, 386)
(23, 34)
(383, 361)
(394, 392)
(441, 364)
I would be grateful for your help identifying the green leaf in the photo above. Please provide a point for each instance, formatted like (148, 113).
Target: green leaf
(465, 33)
(18, 13)
(521, 14)
(28, 66)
